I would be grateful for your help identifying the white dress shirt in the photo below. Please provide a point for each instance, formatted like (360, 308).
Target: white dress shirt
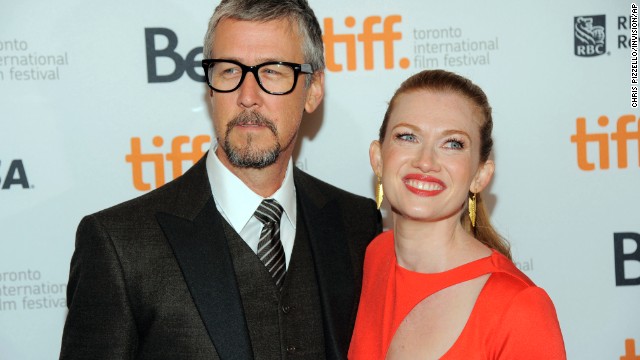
(237, 204)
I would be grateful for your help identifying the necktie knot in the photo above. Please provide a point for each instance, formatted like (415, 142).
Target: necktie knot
(269, 211)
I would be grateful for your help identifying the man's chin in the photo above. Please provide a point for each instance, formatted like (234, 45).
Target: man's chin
(252, 157)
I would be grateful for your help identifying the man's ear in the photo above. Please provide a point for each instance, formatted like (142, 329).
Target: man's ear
(315, 92)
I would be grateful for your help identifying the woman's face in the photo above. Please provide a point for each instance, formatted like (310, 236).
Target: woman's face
(430, 157)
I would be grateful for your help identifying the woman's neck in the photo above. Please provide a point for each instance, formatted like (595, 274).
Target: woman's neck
(431, 247)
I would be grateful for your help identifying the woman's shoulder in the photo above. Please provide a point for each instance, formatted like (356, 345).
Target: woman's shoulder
(381, 243)
(529, 325)
(518, 299)
(519, 316)
(508, 286)
(506, 272)
(380, 251)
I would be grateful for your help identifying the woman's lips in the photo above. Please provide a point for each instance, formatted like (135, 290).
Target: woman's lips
(424, 185)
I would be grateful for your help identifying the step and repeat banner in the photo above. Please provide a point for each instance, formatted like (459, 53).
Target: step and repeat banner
(101, 102)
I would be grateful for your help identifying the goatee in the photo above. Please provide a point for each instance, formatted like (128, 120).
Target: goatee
(248, 156)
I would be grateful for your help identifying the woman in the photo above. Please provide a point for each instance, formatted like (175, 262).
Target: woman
(441, 284)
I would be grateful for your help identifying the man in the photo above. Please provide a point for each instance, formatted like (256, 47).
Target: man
(189, 271)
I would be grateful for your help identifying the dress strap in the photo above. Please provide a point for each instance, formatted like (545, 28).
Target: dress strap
(415, 286)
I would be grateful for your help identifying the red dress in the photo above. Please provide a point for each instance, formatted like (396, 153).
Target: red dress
(511, 319)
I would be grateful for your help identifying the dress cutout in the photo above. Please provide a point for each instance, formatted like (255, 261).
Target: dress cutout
(511, 319)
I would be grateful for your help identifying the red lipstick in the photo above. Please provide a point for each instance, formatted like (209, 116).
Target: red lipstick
(424, 185)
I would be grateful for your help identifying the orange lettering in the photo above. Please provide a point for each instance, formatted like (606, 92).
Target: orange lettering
(581, 138)
(630, 350)
(176, 157)
(387, 36)
(368, 38)
(621, 136)
(330, 39)
(137, 158)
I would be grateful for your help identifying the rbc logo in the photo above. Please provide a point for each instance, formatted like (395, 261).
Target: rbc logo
(590, 35)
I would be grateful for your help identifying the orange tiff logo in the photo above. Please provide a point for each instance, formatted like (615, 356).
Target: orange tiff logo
(630, 350)
(368, 37)
(627, 129)
(157, 160)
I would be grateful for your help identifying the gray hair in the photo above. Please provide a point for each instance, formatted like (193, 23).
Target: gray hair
(296, 11)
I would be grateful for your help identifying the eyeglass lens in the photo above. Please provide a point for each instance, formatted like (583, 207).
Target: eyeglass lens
(276, 78)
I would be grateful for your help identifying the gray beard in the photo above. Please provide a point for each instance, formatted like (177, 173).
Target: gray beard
(248, 156)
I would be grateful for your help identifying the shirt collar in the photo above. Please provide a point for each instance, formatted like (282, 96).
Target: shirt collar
(237, 202)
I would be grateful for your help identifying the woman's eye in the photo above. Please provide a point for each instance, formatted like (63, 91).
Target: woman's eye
(406, 137)
(454, 144)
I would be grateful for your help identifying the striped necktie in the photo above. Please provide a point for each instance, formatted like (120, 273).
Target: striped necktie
(270, 250)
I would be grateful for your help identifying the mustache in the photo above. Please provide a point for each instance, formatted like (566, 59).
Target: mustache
(252, 118)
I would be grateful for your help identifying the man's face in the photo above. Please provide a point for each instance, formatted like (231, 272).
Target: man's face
(255, 129)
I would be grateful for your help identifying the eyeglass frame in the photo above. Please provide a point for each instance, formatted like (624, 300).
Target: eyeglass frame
(297, 70)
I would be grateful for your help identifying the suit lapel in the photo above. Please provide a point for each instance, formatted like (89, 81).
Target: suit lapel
(332, 264)
(195, 233)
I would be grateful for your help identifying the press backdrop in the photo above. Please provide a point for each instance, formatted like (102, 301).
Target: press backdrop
(102, 101)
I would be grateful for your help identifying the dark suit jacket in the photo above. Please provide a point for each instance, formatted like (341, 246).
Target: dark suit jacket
(152, 278)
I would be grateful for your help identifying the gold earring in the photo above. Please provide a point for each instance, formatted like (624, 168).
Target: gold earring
(379, 193)
(472, 209)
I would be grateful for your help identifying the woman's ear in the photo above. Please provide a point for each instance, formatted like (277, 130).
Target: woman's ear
(483, 176)
(375, 157)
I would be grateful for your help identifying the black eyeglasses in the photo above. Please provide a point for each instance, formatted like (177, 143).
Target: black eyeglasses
(274, 77)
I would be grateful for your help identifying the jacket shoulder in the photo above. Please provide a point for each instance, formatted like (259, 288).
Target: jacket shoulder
(183, 196)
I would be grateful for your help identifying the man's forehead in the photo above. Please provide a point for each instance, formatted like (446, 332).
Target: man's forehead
(285, 23)
(271, 40)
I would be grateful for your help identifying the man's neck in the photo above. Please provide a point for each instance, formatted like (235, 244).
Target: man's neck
(265, 181)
